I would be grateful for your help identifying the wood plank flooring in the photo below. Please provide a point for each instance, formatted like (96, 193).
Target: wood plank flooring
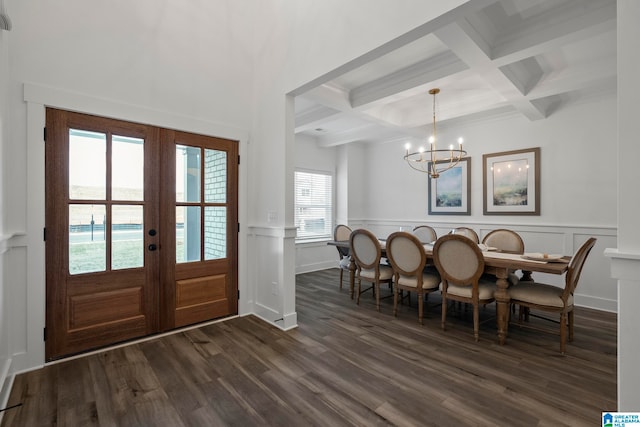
(345, 365)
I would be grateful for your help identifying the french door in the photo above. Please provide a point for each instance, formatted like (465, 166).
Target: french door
(141, 230)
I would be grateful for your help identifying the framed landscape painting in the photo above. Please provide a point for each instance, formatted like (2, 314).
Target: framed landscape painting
(511, 182)
(450, 193)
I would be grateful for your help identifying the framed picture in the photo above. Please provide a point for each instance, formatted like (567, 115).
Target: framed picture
(450, 193)
(511, 182)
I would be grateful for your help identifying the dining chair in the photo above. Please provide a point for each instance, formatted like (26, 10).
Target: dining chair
(460, 263)
(549, 298)
(467, 232)
(366, 251)
(507, 241)
(408, 259)
(425, 234)
(342, 232)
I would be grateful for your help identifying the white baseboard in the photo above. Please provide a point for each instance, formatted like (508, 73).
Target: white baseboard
(285, 322)
(596, 303)
(308, 268)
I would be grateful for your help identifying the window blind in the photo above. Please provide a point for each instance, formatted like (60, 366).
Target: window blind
(313, 204)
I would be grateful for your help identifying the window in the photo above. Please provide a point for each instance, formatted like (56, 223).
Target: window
(313, 204)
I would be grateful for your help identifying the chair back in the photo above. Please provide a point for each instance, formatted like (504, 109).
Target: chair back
(406, 254)
(466, 232)
(365, 248)
(342, 232)
(505, 240)
(458, 259)
(575, 267)
(425, 234)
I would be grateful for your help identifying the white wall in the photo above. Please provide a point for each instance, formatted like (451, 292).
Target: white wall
(577, 161)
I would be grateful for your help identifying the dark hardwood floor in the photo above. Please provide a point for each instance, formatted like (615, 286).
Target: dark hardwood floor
(344, 365)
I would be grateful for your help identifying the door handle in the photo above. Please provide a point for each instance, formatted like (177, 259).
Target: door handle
(152, 247)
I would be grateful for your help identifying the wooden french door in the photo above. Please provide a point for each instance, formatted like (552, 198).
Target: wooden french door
(141, 230)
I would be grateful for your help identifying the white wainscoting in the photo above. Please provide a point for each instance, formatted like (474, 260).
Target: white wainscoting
(596, 288)
(269, 248)
(6, 377)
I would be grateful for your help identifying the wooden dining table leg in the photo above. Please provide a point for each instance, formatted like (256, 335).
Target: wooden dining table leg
(502, 304)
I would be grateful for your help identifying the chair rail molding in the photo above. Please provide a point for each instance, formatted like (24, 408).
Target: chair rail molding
(624, 265)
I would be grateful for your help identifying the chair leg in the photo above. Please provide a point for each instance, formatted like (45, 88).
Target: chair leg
(443, 320)
(341, 271)
(571, 325)
(476, 322)
(377, 289)
(395, 301)
(420, 307)
(359, 286)
(563, 332)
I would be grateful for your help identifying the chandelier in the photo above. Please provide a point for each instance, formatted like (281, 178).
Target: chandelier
(435, 160)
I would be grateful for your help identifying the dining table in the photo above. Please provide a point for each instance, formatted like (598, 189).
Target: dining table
(497, 263)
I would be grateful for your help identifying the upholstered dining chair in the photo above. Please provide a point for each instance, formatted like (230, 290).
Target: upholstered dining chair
(342, 232)
(461, 264)
(467, 232)
(366, 251)
(408, 259)
(507, 241)
(425, 234)
(549, 298)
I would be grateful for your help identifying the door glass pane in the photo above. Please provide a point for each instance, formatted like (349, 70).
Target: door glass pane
(187, 174)
(215, 232)
(87, 165)
(127, 168)
(87, 248)
(127, 238)
(187, 233)
(215, 176)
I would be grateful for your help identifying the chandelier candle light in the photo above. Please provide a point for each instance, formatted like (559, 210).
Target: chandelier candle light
(434, 161)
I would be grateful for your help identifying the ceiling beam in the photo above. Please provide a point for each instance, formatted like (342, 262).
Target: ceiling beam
(569, 22)
(418, 74)
(470, 47)
(313, 118)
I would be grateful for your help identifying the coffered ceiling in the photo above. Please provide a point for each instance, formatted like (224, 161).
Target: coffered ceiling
(511, 57)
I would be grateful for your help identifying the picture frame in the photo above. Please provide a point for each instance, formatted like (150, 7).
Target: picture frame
(511, 182)
(450, 193)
